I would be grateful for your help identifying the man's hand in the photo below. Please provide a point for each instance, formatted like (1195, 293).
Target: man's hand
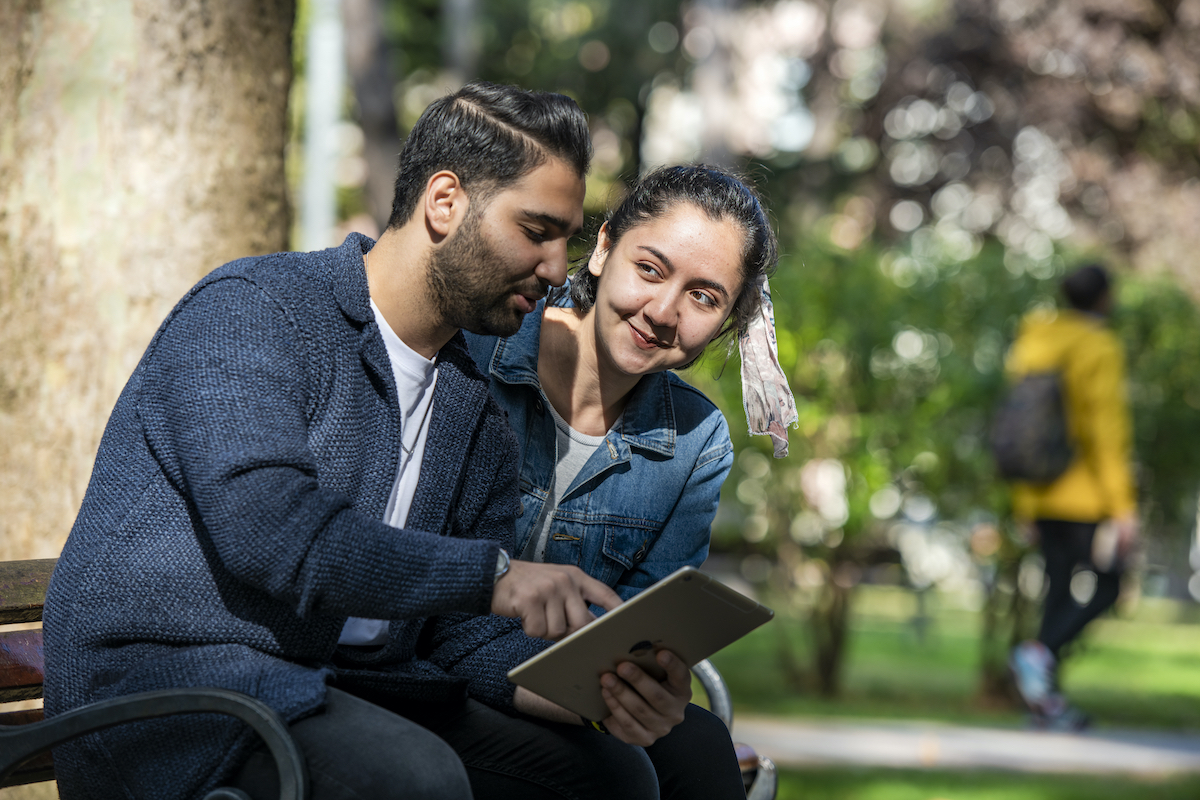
(551, 599)
(643, 709)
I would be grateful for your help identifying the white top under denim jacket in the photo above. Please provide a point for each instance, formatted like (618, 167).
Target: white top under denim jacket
(643, 504)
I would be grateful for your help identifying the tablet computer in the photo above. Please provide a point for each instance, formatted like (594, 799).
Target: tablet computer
(688, 612)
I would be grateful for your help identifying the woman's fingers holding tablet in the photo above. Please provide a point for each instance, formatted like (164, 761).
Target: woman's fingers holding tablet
(644, 709)
(631, 719)
(679, 677)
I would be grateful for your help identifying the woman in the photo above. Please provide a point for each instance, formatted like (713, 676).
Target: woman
(622, 461)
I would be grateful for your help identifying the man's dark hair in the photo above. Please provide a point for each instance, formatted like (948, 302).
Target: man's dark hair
(721, 195)
(490, 136)
(1086, 287)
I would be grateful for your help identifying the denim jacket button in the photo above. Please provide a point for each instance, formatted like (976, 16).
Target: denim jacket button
(537, 404)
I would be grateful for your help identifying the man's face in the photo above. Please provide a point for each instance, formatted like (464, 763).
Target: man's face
(507, 252)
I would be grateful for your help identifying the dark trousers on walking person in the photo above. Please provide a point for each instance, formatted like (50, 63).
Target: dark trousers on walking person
(360, 750)
(1067, 548)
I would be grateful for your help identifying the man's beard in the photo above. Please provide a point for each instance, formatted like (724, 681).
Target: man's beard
(469, 285)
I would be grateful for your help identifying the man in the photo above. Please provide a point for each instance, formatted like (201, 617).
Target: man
(1096, 487)
(305, 452)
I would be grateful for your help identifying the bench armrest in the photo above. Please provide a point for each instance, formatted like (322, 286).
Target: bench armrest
(20, 742)
(719, 700)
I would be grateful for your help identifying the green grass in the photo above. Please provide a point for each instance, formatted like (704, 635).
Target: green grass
(891, 784)
(1142, 671)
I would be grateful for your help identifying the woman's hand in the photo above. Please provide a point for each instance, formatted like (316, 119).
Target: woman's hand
(644, 709)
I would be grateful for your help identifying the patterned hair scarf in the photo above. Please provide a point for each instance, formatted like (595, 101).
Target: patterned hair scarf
(770, 407)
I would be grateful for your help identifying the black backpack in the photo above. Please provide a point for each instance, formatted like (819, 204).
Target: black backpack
(1030, 440)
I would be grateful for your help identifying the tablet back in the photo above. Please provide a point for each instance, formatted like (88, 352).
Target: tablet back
(689, 613)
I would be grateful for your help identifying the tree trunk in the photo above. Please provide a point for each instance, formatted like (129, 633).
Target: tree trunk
(143, 145)
(828, 621)
(1008, 618)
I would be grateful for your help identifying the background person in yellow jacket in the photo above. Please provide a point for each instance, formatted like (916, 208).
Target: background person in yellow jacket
(1095, 490)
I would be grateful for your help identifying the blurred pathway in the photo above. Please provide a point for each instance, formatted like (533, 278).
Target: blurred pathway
(944, 746)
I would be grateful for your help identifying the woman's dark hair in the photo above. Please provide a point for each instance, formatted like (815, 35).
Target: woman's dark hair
(489, 135)
(719, 194)
(1086, 287)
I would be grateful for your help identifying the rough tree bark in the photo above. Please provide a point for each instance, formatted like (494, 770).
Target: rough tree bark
(142, 145)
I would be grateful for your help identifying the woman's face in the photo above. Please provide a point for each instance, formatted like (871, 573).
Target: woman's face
(665, 289)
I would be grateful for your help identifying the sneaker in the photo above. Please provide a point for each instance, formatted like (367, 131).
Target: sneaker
(1061, 717)
(1033, 666)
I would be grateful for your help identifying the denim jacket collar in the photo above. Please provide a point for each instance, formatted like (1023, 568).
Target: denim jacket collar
(648, 422)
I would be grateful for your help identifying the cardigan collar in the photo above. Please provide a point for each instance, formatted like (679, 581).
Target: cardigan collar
(350, 276)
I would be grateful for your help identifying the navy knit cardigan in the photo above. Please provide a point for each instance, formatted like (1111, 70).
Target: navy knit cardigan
(233, 522)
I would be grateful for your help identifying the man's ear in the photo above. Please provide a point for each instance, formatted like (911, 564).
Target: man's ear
(600, 254)
(445, 203)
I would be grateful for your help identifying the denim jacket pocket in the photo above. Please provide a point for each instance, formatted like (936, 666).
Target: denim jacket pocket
(625, 546)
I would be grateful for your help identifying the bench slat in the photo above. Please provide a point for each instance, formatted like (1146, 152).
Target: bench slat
(21, 667)
(23, 717)
(23, 589)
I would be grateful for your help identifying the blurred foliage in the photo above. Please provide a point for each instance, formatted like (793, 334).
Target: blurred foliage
(894, 381)
(896, 359)
(596, 52)
(1161, 330)
(875, 783)
(896, 362)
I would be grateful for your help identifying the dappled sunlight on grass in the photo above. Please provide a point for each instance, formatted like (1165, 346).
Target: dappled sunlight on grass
(1125, 672)
(887, 784)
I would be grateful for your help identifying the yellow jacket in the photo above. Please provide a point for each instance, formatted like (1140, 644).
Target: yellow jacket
(1098, 484)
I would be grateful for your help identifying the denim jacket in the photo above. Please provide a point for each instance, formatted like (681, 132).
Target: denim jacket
(643, 504)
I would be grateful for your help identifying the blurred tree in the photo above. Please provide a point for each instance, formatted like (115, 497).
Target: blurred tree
(604, 54)
(1160, 326)
(142, 146)
(895, 359)
(373, 77)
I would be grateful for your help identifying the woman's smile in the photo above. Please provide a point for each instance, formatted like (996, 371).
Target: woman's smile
(646, 341)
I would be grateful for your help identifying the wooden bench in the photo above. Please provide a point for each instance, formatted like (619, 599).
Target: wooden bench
(26, 737)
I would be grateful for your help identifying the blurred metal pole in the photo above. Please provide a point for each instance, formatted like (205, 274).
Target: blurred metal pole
(324, 75)
(460, 45)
